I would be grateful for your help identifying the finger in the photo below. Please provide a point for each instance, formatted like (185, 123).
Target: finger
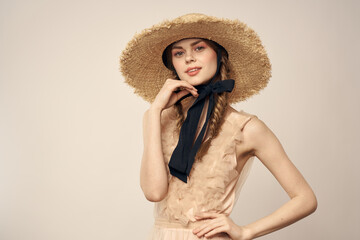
(183, 84)
(221, 229)
(208, 228)
(194, 93)
(176, 85)
(207, 224)
(191, 90)
(206, 215)
(181, 94)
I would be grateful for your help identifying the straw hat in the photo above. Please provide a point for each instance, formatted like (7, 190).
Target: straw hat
(142, 66)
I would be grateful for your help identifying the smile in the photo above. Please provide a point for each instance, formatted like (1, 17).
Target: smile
(193, 71)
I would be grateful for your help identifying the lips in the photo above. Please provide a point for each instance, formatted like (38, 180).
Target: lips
(191, 71)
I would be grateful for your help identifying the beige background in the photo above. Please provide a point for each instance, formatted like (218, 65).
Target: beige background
(70, 128)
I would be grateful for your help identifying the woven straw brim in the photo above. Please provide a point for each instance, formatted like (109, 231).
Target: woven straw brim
(142, 66)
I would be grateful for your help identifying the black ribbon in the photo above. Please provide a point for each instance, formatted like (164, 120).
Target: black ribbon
(183, 156)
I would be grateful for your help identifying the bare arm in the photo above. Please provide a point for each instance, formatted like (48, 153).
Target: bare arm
(271, 153)
(153, 174)
(268, 149)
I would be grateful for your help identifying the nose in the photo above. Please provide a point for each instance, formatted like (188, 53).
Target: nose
(189, 57)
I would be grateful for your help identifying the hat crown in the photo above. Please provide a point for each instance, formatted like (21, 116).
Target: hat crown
(193, 17)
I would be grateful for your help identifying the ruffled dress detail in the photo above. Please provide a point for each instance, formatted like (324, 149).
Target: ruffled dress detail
(213, 185)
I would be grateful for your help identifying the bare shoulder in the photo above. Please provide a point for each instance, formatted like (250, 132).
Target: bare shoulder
(256, 133)
(240, 116)
(256, 128)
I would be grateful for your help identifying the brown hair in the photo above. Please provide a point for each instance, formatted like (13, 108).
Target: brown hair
(221, 99)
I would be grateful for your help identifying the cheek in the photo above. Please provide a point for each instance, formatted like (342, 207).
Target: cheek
(176, 65)
(212, 61)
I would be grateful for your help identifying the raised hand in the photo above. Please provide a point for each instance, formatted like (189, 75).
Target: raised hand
(167, 95)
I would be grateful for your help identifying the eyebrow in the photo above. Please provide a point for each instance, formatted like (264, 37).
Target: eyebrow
(192, 44)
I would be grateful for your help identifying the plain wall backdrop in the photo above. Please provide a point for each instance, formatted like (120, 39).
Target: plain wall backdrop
(71, 129)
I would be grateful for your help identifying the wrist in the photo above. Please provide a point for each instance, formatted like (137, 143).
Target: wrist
(241, 233)
(247, 233)
(155, 109)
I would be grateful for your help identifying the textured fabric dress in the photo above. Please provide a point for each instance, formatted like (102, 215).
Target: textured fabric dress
(213, 185)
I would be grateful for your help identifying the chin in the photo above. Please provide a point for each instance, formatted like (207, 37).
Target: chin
(196, 82)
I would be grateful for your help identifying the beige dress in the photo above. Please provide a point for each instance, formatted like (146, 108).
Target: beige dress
(213, 185)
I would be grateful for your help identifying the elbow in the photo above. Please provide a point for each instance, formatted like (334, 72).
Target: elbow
(313, 204)
(154, 188)
(310, 203)
(154, 193)
(155, 196)
(306, 203)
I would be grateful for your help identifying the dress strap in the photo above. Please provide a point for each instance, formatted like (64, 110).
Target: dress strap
(246, 121)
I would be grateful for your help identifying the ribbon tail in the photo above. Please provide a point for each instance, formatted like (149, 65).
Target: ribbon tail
(180, 159)
(199, 139)
(180, 175)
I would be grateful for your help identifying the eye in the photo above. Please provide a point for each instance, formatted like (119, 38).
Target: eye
(199, 48)
(178, 53)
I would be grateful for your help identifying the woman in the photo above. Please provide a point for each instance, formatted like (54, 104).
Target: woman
(197, 148)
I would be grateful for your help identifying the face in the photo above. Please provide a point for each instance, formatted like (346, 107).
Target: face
(194, 61)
